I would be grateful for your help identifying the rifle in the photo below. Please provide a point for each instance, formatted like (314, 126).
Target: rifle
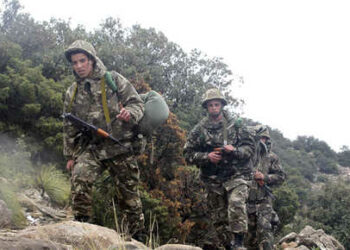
(267, 189)
(89, 127)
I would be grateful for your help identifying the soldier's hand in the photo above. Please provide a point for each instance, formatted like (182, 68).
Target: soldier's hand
(259, 177)
(70, 165)
(214, 157)
(124, 115)
(229, 148)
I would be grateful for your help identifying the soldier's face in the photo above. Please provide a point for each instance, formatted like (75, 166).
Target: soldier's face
(82, 65)
(263, 139)
(214, 108)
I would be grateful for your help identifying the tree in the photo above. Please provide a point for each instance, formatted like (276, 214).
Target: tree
(330, 208)
(344, 156)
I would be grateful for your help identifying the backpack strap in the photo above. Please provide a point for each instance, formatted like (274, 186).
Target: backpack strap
(225, 130)
(104, 102)
(72, 99)
(110, 82)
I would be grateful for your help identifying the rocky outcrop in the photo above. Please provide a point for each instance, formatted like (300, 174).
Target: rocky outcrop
(72, 235)
(310, 238)
(38, 208)
(177, 247)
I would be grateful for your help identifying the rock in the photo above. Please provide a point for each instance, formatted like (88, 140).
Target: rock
(287, 246)
(38, 209)
(78, 235)
(69, 235)
(309, 238)
(177, 247)
(72, 235)
(289, 237)
(15, 243)
(302, 247)
(5, 215)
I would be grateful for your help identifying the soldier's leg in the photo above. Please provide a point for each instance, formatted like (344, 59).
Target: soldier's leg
(217, 209)
(237, 212)
(250, 240)
(264, 227)
(126, 175)
(85, 171)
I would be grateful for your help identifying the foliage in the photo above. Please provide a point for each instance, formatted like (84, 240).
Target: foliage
(15, 164)
(286, 204)
(344, 157)
(33, 103)
(8, 195)
(16, 173)
(331, 208)
(54, 183)
(309, 144)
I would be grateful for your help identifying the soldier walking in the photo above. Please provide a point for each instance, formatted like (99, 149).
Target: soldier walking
(223, 151)
(88, 155)
(267, 172)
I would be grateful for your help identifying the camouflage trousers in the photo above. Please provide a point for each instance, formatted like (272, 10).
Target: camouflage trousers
(125, 173)
(260, 230)
(227, 209)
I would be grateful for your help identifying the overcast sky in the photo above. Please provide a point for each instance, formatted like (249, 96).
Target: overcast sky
(294, 56)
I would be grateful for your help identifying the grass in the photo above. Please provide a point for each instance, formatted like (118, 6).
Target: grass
(54, 183)
(8, 195)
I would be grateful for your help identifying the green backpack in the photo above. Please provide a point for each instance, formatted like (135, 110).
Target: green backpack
(156, 109)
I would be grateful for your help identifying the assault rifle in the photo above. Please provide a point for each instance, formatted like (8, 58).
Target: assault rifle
(89, 127)
(267, 189)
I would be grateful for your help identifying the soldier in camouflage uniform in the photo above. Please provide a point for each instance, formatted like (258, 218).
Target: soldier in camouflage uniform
(222, 150)
(88, 154)
(267, 172)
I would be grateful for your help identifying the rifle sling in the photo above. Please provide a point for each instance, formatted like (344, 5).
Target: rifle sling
(111, 84)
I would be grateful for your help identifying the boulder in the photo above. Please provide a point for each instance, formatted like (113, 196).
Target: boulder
(177, 247)
(309, 238)
(15, 243)
(68, 235)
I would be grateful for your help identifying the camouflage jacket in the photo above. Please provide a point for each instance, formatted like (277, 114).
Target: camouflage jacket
(270, 166)
(87, 105)
(206, 136)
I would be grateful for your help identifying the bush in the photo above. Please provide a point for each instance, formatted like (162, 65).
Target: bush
(54, 183)
(8, 195)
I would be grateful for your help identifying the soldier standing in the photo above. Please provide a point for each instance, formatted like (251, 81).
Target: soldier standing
(117, 112)
(223, 151)
(267, 172)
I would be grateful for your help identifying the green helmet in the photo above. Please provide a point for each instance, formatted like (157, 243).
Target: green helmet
(262, 131)
(213, 94)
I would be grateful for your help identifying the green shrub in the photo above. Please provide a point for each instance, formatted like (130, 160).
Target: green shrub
(53, 182)
(8, 195)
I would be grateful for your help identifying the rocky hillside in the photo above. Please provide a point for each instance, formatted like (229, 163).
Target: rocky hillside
(51, 228)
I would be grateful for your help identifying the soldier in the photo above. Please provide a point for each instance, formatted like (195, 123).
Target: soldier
(90, 99)
(267, 172)
(223, 149)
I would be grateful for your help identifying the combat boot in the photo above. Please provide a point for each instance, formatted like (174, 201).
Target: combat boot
(238, 244)
(265, 245)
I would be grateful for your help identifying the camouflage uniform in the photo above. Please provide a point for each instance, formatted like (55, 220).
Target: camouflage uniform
(262, 217)
(93, 154)
(227, 182)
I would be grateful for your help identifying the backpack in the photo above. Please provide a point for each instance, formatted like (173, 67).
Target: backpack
(156, 109)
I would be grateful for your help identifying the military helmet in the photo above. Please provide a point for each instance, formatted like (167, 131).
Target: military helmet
(262, 131)
(213, 94)
(80, 46)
